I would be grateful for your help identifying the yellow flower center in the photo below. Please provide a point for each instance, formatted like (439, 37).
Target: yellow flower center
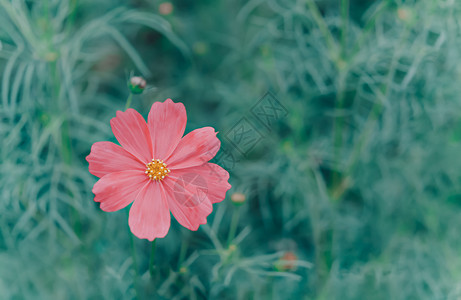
(157, 170)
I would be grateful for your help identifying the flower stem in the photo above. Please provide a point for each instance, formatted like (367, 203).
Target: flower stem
(182, 253)
(233, 225)
(344, 20)
(128, 101)
(338, 124)
(135, 266)
(322, 25)
(151, 260)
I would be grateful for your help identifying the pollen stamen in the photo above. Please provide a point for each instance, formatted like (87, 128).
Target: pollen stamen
(156, 170)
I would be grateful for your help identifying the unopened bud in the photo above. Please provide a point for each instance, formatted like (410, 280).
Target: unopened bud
(405, 14)
(51, 56)
(137, 84)
(238, 198)
(230, 252)
(165, 8)
(286, 262)
(200, 48)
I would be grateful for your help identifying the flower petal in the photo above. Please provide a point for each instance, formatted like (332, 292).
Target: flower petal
(166, 122)
(132, 133)
(217, 180)
(107, 157)
(149, 215)
(210, 178)
(116, 190)
(188, 201)
(191, 192)
(195, 149)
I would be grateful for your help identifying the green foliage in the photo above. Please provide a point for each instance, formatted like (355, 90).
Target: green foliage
(360, 179)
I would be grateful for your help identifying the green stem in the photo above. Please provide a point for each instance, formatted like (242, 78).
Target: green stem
(66, 141)
(152, 258)
(338, 132)
(72, 13)
(368, 28)
(182, 254)
(233, 225)
(323, 27)
(128, 101)
(345, 20)
(135, 265)
(363, 138)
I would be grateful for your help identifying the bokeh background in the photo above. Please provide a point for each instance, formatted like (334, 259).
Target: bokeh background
(351, 174)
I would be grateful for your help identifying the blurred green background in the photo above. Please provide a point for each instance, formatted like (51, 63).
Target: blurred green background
(351, 175)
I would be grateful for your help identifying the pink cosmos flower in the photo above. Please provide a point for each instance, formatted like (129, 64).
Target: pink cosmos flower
(158, 169)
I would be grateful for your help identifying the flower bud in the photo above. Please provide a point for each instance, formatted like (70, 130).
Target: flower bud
(406, 14)
(137, 85)
(200, 48)
(403, 14)
(286, 262)
(51, 56)
(232, 248)
(165, 8)
(238, 198)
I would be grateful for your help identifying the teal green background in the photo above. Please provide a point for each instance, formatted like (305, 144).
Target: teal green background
(359, 179)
